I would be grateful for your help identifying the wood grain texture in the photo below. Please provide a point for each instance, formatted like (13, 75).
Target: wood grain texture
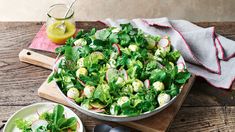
(36, 59)
(205, 108)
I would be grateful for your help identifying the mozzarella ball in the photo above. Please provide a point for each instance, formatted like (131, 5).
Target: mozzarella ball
(133, 47)
(137, 85)
(158, 86)
(122, 100)
(80, 62)
(73, 93)
(81, 71)
(88, 91)
(163, 98)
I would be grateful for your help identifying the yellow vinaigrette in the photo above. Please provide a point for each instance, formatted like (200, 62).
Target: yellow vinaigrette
(58, 35)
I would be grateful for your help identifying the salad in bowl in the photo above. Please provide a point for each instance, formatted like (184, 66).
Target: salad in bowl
(44, 117)
(119, 73)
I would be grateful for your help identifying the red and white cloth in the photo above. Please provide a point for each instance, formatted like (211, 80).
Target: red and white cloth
(206, 53)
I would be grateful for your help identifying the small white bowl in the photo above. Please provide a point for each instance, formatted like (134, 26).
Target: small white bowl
(31, 113)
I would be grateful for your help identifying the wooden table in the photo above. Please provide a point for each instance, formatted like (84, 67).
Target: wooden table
(205, 108)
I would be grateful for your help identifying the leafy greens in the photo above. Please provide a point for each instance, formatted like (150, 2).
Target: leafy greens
(119, 71)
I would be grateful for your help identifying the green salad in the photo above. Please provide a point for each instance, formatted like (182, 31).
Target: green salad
(49, 122)
(119, 71)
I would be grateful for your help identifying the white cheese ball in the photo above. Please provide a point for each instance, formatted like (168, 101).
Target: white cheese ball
(88, 91)
(133, 47)
(163, 98)
(158, 86)
(137, 85)
(80, 62)
(80, 42)
(73, 93)
(122, 100)
(81, 71)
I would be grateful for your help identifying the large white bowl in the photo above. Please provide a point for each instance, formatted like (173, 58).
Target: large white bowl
(115, 118)
(30, 113)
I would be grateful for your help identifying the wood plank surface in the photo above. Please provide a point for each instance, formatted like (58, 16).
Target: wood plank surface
(205, 108)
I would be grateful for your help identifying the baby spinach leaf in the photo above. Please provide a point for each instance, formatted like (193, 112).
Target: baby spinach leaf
(157, 75)
(113, 38)
(182, 77)
(68, 123)
(58, 113)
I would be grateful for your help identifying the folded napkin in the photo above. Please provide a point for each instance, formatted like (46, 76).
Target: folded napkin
(206, 53)
(41, 42)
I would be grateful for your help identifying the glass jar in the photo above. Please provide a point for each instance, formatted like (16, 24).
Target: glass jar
(58, 27)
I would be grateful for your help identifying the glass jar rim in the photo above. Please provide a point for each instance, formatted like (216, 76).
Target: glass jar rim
(59, 18)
